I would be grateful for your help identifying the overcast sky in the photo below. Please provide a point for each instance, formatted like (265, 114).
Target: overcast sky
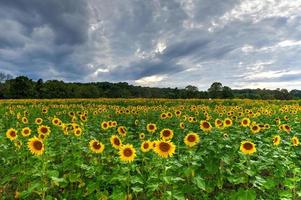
(167, 43)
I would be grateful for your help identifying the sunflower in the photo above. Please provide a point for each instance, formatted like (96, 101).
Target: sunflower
(56, 121)
(24, 120)
(286, 128)
(96, 146)
(44, 110)
(218, 123)
(146, 146)
(227, 122)
(205, 126)
(78, 132)
(42, 136)
(247, 147)
(276, 140)
(141, 136)
(115, 141)
(245, 122)
(255, 128)
(18, 143)
(127, 153)
(38, 120)
(11, 134)
(151, 127)
(182, 125)
(191, 139)
(44, 130)
(226, 136)
(26, 131)
(295, 141)
(104, 125)
(83, 118)
(164, 148)
(122, 130)
(163, 116)
(36, 146)
(166, 134)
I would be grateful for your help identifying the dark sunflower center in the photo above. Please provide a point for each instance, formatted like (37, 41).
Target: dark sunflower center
(127, 152)
(13, 134)
(151, 127)
(275, 139)
(255, 128)
(191, 138)
(122, 130)
(165, 147)
(44, 130)
(245, 122)
(287, 127)
(105, 125)
(248, 146)
(228, 122)
(206, 125)
(145, 145)
(166, 133)
(56, 121)
(42, 136)
(96, 145)
(295, 141)
(37, 145)
(116, 141)
(26, 131)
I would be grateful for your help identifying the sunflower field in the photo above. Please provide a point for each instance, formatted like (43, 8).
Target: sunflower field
(150, 149)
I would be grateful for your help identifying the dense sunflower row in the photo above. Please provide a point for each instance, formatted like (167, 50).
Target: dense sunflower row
(189, 137)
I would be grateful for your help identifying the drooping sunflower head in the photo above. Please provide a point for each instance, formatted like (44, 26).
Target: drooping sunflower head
(205, 126)
(166, 134)
(146, 146)
(115, 141)
(247, 147)
(122, 131)
(11, 134)
(127, 153)
(286, 128)
(295, 141)
(151, 127)
(96, 146)
(26, 131)
(18, 144)
(276, 140)
(182, 125)
(191, 139)
(36, 146)
(44, 130)
(165, 148)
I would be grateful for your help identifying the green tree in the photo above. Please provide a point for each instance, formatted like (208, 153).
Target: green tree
(215, 90)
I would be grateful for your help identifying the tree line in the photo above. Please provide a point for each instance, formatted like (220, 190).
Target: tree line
(22, 87)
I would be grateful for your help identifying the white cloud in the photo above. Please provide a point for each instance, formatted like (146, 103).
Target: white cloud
(150, 80)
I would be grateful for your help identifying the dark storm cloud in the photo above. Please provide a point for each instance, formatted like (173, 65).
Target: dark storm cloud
(180, 41)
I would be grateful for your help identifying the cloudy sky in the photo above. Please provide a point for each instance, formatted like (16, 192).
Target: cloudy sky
(167, 43)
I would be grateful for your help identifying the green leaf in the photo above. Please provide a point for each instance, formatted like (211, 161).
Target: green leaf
(199, 181)
(137, 189)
